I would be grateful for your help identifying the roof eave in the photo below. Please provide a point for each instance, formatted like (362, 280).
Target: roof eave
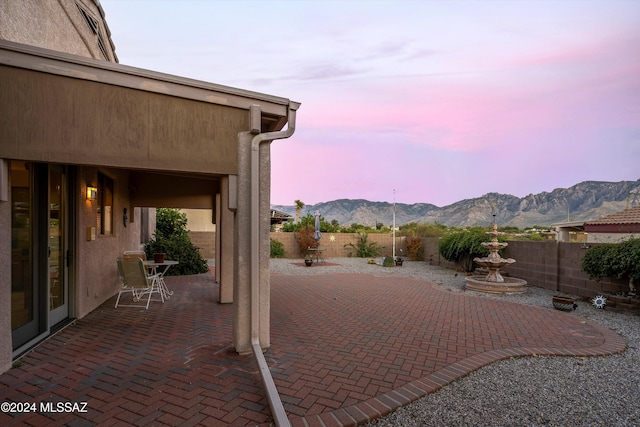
(53, 62)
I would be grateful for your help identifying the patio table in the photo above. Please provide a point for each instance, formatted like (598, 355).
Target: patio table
(318, 252)
(161, 269)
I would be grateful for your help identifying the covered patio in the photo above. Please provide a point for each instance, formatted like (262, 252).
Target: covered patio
(346, 348)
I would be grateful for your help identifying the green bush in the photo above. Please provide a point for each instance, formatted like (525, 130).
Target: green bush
(614, 260)
(388, 261)
(277, 249)
(172, 239)
(170, 222)
(463, 246)
(423, 230)
(178, 248)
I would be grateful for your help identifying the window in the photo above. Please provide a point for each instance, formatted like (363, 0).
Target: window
(105, 204)
(94, 27)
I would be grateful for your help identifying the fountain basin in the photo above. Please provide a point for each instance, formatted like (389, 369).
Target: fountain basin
(509, 285)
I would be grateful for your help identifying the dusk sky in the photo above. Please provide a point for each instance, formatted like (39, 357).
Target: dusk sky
(437, 100)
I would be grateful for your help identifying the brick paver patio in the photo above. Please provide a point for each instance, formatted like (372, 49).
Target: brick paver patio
(346, 348)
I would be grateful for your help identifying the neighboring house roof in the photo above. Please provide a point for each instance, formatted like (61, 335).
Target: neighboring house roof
(627, 221)
(278, 217)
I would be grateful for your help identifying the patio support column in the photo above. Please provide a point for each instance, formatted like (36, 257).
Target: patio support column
(242, 250)
(225, 244)
(5, 278)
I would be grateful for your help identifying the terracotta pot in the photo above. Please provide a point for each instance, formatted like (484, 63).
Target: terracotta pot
(308, 262)
(158, 258)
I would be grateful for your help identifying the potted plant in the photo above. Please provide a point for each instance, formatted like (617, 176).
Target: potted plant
(399, 261)
(308, 260)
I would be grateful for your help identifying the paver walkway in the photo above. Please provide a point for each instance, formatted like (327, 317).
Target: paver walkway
(345, 349)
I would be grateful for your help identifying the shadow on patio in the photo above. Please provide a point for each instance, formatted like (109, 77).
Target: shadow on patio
(345, 348)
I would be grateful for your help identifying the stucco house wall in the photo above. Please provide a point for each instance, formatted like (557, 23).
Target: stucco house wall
(57, 25)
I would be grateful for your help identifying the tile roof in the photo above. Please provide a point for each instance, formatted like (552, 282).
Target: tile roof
(627, 216)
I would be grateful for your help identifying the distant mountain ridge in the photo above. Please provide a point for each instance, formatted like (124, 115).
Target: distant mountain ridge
(584, 201)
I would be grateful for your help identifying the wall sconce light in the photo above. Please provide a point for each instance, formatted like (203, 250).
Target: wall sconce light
(92, 193)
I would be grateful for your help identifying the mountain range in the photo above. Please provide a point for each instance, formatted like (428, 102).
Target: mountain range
(585, 201)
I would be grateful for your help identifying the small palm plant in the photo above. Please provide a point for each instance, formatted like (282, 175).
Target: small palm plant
(364, 248)
(299, 207)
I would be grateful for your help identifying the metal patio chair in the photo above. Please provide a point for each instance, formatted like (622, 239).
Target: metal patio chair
(136, 280)
(135, 255)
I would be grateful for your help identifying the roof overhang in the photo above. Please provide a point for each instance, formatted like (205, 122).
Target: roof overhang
(274, 109)
(62, 108)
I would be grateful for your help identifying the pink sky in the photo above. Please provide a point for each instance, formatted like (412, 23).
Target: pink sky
(437, 100)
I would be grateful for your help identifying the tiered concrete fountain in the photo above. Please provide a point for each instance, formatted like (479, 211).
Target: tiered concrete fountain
(494, 282)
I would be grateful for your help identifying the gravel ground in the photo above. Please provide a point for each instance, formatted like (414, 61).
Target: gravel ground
(523, 391)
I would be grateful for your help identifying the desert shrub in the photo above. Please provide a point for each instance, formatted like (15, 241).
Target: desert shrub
(423, 230)
(364, 248)
(305, 239)
(614, 260)
(414, 247)
(463, 246)
(172, 238)
(277, 249)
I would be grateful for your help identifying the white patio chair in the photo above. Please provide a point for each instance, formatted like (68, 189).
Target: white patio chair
(137, 281)
(135, 255)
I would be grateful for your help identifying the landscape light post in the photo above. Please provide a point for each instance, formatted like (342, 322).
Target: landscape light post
(393, 234)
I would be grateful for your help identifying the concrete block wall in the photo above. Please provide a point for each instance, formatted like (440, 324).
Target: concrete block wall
(557, 266)
(536, 262)
(206, 241)
(431, 254)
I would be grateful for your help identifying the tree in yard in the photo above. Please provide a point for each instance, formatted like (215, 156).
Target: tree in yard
(463, 246)
(299, 207)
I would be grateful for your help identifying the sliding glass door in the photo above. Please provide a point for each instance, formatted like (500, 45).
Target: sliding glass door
(39, 255)
(57, 249)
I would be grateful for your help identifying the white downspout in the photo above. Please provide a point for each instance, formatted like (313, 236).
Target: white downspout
(277, 409)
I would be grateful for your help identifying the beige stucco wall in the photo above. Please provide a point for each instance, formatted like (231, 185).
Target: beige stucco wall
(609, 237)
(200, 220)
(56, 25)
(97, 276)
(334, 244)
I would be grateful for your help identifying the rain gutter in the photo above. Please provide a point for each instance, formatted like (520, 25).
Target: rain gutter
(277, 409)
